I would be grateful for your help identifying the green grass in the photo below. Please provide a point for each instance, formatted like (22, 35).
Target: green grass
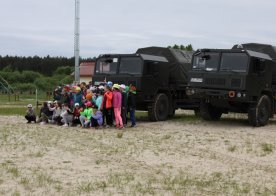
(19, 107)
(267, 148)
(232, 148)
(12, 111)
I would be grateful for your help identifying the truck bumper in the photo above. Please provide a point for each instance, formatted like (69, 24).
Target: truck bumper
(215, 94)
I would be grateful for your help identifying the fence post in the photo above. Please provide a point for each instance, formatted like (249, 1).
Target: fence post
(36, 99)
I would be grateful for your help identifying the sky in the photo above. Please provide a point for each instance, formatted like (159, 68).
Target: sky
(46, 27)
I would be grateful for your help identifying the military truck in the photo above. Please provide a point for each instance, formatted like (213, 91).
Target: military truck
(159, 74)
(241, 79)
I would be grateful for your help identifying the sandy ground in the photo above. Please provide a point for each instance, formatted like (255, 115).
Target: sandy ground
(183, 156)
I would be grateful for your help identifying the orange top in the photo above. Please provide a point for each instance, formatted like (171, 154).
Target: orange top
(108, 95)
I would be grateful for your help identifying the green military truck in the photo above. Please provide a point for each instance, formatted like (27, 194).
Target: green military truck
(159, 74)
(241, 79)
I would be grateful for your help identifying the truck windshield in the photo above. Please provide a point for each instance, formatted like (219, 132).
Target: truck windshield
(234, 62)
(208, 61)
(130, 65)
(107, 66)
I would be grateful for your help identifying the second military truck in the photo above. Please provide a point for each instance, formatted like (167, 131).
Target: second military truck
(241, 79)
(159, 74)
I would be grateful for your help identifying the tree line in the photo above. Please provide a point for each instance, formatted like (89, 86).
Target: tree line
(43, 65)
(44, 73)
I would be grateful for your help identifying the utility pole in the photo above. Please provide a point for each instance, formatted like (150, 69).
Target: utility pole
(77, 41)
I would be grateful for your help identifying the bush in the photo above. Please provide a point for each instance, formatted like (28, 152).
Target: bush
(24, 87)
(46, 83)
(63, 70)
(12, 77)
(67, 80)
(30, 76)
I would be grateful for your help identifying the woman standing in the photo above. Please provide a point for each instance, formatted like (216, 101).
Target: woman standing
(117, 104)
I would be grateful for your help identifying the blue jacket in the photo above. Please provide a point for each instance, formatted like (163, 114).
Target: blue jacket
(98, 101)
(78, 98)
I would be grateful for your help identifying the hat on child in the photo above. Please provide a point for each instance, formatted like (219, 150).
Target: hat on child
(122, 86)
(78, 89)
(133, 89)
(30, 106)
(88, 96)
(101, 87)
(88, 104)
(92, 88)
(109, 83)
(117, 86)
(77, 104)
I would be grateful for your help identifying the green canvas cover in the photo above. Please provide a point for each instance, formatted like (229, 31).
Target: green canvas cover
(179, 62)
(262, 48)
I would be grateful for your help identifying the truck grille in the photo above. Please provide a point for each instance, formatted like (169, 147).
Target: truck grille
(215, 81)
(236, 82)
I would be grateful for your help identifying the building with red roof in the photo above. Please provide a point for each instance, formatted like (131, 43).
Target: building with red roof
(86, 71)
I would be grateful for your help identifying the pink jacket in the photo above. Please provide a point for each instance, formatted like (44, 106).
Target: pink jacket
(117, 99)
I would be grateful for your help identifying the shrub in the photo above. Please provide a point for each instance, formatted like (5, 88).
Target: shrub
(24, 87)
(30, 76)
(63, 70)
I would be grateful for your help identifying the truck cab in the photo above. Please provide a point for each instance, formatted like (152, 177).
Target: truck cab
(241, 79)
(139, 70)
(159, 75)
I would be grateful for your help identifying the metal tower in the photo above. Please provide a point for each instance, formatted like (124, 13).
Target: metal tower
(77, 41)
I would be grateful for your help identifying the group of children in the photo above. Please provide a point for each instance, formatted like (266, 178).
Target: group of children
(88, 106)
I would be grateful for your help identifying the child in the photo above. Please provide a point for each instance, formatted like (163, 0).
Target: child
(57, 109)
(97, 117)
(107, 106)
(78, 96)
(45, 114)
(98, 99)
(124, 104)
(117, 104)
(76, 114)
(85, 116)
(132, 104)
(30, 114)
(66, 115)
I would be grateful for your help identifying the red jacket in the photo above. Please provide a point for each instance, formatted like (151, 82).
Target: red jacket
(108, 96)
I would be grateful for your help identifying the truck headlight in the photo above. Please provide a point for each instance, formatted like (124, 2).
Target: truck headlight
(239, 95)
(190, 91)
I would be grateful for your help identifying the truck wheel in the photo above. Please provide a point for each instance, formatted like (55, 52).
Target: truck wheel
(159, 109)
(258, 114)
(209, 112)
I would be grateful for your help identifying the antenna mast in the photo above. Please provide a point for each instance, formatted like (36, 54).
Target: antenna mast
(77, 41)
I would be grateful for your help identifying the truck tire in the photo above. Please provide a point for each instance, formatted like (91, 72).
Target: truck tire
(209, 112)
(159, 109)
(258, 114)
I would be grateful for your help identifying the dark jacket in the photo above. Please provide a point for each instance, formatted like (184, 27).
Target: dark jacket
(131, 100)
(124, 99)
(46, 111)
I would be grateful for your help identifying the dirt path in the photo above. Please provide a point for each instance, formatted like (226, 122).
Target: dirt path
(181, 156)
